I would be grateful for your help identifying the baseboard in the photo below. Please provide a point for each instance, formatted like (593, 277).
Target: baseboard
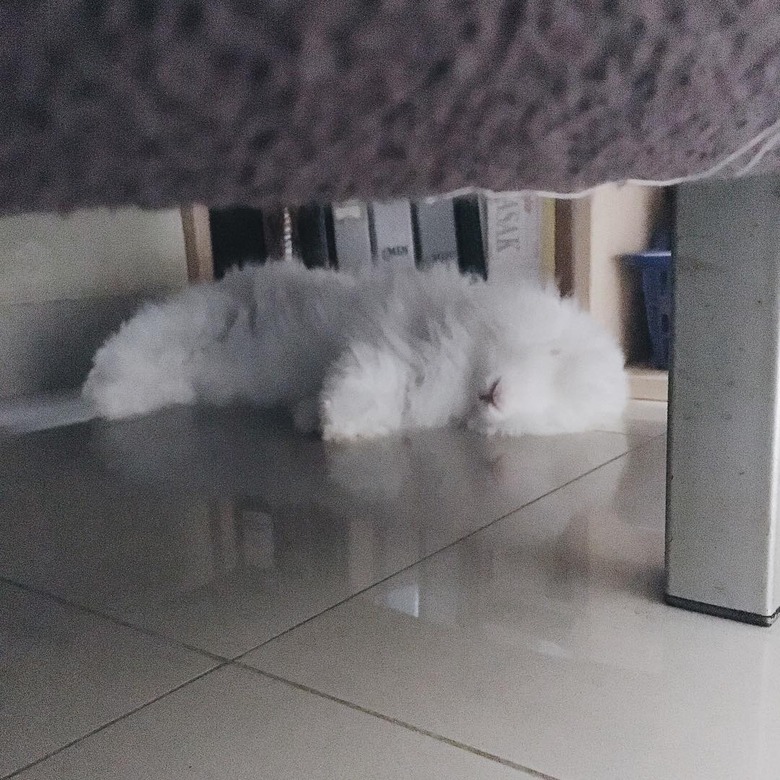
(647, 384)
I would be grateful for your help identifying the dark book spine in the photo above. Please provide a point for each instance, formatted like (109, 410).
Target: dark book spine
(470, 232)
(435, 239)
(313, 230)
(237, 237)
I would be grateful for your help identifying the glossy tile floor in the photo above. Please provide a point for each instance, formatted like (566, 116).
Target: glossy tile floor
(205, 594)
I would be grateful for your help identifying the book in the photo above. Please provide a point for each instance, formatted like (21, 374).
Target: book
(352, 236)
(470, 234)
(435, 236)
(237, 236)
(273, 233)
(392, 237)
(312, 235)
(521, 237)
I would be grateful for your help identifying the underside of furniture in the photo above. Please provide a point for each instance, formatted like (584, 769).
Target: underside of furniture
(168, 102)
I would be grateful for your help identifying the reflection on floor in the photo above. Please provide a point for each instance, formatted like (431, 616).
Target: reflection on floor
(206, 594)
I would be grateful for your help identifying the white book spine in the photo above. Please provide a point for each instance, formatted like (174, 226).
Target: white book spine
(514, 225)
(352, 236)
(392, 236)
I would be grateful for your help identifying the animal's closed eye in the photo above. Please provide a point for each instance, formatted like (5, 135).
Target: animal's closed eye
(490, 396)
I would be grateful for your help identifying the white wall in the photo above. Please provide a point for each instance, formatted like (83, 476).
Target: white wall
(46, 257)
(66, 282)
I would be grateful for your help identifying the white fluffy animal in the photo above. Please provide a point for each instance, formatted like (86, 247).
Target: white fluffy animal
(367, 356)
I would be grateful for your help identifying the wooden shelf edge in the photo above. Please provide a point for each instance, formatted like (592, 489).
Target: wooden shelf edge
(197, 243)
(647, 384)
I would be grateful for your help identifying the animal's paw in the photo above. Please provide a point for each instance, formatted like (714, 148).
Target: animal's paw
(115, 396)
(363, 395)
(352, 433)
(481, 424)
(341, 422)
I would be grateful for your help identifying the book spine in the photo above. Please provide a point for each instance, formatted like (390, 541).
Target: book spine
(392, 237)
(434, 220)
(237, 237)
(291, 242)
(352, 236)
(514, 225)
(273, 233)
(549, 267)
(469, 227)
(312, 235)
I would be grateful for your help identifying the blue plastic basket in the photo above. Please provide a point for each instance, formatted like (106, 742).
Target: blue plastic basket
(655, 267)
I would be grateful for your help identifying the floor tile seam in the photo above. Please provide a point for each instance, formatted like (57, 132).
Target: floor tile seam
(633, 434)
(110, 618)
(420, 731)
(440, 550)
(220, 659)
(113, 721)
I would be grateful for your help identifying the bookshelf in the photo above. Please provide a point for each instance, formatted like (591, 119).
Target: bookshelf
(197, 243)
(594, 234)
(581, 244)
(648, 384)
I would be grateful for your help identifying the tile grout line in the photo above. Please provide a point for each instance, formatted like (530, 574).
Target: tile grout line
(645, 436)
(400, 723)
(114, 619)
(222, 662)
(114, 721)
(448, 546)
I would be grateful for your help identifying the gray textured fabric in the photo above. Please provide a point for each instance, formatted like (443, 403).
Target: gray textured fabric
(230, 101)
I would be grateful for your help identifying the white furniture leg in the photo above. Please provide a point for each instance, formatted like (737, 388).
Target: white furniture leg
(722, 542)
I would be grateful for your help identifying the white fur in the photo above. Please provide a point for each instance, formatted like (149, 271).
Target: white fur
(364, 357)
